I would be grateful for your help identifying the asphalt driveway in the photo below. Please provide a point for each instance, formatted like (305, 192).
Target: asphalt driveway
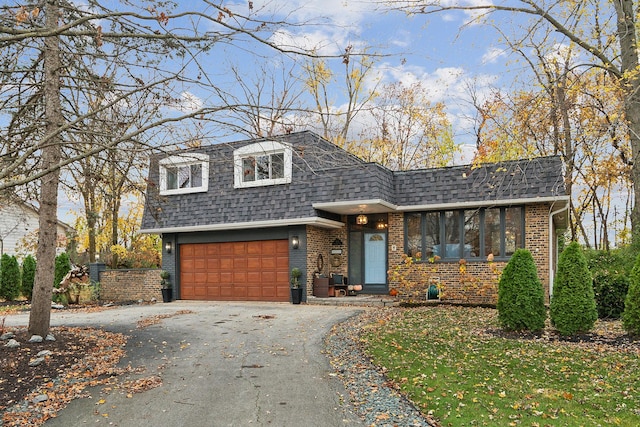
(225, 364)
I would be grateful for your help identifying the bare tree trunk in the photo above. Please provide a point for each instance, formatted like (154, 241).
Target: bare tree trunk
(631, 84)
(40, 317)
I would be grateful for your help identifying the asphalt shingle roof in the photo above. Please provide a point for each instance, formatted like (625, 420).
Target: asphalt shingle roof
(323, 172)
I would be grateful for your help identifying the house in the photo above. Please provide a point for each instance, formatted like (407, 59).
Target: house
(19, 220)
(235, 218)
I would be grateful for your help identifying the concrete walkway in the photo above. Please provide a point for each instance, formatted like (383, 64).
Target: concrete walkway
(224, 364)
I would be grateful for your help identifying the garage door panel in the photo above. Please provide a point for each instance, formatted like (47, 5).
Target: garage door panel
(199, 263)
(254, 262)
(226, 291)
(254, 248)
(226, 248)
(254, 271)
(268, 276)
(254, 277)
(239, 248)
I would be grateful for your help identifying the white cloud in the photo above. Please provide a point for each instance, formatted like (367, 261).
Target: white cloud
(187, 103)
(492, 55)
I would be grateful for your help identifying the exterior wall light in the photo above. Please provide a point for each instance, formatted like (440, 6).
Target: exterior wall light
(295, 242)
(362, 219)
(167, 247)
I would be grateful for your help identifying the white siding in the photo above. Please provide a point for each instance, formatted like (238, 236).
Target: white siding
(16, 222)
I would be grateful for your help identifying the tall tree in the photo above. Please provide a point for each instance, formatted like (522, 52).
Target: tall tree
(568, 113)
(359, 89)
(407, 131)
(51, 48)
(574, 22)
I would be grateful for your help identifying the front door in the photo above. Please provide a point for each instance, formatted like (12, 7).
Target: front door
(368, 254)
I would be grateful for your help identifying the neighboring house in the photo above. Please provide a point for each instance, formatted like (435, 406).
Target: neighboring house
(236, 218)
(17, 221)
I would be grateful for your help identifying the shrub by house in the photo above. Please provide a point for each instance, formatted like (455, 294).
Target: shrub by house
(631, 313)
(520, 294)
(573, 305)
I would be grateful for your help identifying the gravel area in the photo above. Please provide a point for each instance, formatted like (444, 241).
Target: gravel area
(373, 397)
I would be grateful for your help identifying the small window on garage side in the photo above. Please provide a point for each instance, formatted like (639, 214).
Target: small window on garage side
(262, 163)
(181, 174)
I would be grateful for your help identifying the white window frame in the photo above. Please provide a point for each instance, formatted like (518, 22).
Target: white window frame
(182, 160)
(257, 149)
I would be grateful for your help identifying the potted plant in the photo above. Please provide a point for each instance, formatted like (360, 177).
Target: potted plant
(165, 283)
(296, 289)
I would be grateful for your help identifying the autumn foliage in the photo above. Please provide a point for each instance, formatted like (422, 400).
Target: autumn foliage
(573, 305)
(520, 295)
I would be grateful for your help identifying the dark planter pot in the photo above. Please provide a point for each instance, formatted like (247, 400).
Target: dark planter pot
(166, 295)
(296, 295)
(433, 293)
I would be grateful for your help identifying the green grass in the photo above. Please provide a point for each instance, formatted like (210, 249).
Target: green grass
(447, 363)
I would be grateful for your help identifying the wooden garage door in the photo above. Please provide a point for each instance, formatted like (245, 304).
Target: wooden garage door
(235, 271)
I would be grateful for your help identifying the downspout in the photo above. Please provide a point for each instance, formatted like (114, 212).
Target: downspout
(553, 250)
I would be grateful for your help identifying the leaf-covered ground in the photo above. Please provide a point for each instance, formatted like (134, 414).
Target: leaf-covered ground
(456, 365)
(80, 358)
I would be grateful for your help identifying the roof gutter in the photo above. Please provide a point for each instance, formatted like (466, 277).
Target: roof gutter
(315, 220)
(483, 203)
(553, 254)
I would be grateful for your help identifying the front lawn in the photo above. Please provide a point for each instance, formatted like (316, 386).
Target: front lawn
(456, 364)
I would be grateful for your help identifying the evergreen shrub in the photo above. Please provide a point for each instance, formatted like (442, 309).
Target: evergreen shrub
(610, 271)
(520, 295)
(573, 304)
(62, 267)
(631, 313)
(9, 277)
(28, 276)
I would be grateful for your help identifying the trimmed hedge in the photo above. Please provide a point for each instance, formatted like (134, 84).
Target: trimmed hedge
(520, 295)
(610, 271)
(573, 304)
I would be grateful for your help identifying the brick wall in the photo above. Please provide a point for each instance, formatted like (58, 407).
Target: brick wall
(130, 285)
(473, 282)
(320, 242)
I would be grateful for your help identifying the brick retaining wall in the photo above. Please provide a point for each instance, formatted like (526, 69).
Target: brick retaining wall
(130, 285)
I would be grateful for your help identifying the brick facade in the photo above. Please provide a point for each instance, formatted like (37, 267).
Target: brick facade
(320, 242)
(473, 282)
(130, 285)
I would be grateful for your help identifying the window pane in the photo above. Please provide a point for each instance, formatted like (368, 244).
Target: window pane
(196, 175)
(452, 234)
(513, 234)
(277, 165)
(248, 169)
(262, 167)
(184, 177)
(432, 222)
(414, 234)
(492, 231)
(471, 234)
(172, 178)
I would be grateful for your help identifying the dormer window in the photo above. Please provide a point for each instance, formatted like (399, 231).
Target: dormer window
(262, 163)
(185, 173)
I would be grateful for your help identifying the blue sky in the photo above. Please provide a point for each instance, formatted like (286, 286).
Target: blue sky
(450, 62)
(432, 49)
